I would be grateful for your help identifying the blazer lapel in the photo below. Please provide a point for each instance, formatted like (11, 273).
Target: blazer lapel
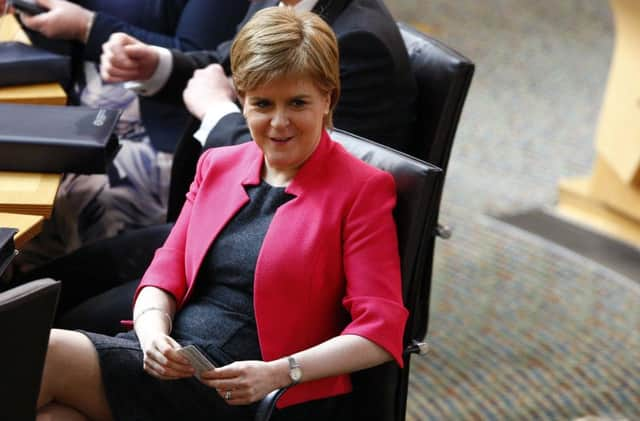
(229, 185)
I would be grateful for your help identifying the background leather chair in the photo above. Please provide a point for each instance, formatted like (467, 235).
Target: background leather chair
(26, 314)
(444, 77)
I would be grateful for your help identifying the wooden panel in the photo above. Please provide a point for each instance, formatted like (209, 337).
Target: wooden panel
(45, 93)
(618, 134)
(576, 204)
(28, 226)
(28, 193)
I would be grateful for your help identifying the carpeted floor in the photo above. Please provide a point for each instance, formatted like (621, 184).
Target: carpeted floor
(522, 328)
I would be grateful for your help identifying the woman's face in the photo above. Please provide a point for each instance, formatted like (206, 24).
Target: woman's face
(286, 119)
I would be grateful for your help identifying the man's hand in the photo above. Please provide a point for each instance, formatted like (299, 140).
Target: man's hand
(205, 88)
(64, 20)
(244, 382)
(161, 359)
(124, 58)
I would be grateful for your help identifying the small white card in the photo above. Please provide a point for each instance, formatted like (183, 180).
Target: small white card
(197, 359)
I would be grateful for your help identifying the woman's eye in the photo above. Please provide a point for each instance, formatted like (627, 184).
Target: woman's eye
(298, 103)
(261, 104)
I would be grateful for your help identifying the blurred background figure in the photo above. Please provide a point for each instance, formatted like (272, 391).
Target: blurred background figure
(134, 193)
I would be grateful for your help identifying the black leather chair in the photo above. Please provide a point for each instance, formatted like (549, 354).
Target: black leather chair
(26, 314)
(443, 76)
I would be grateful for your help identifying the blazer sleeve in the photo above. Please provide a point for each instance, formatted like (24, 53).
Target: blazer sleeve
(167, 269)
(371, 261)
(192, 31)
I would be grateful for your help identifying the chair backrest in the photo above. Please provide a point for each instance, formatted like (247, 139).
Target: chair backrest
(26, 314)
(380, 392)
(443, 77)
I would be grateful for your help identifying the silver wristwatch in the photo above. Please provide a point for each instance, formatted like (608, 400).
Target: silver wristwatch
(295, 371)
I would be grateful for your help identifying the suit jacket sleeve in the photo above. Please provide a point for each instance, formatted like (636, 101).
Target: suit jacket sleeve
(168, 268)
(367, 70)
(373, 294)
(192, 31)
(232, 129)
(184, 64)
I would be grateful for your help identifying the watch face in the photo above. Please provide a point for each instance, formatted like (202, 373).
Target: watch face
(296, 374)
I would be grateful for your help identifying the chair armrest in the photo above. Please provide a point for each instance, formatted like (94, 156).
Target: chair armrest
(416, 347)
(443, 231)
(266, 405)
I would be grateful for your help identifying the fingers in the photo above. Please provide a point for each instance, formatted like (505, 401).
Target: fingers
(139, 52)
(237, 396)
(209, 87)
(214, 69)
(35, 22)
(239, 383)
(39, 22)
(162, 361)
(125, 58)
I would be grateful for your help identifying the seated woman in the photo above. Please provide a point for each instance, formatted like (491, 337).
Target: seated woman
(282, 268)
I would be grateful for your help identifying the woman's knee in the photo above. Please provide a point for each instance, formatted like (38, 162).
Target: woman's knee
(71, 360)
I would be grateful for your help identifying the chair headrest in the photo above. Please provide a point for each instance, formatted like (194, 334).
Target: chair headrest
(443, 76)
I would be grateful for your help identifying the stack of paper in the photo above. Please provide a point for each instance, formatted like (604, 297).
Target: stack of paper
(28, 193)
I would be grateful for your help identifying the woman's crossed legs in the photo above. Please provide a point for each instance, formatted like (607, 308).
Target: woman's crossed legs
(72, 382)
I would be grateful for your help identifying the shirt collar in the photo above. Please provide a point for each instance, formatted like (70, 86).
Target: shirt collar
(303, 5)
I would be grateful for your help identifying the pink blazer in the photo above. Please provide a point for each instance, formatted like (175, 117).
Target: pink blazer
(329, 262)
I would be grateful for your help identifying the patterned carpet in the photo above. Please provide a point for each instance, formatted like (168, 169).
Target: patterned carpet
(520, 327)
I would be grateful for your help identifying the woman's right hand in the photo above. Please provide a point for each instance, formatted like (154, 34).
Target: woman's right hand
(161, 359)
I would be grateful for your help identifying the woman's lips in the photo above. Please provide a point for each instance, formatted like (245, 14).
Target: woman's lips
(281, 139)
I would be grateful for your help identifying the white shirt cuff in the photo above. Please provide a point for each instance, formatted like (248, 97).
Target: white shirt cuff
(212, 117)
(158, 79)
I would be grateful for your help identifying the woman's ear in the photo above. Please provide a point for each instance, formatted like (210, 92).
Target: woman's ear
(328, 102)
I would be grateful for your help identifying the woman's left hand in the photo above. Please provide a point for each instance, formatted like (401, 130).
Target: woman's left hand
(64, 20)
(244, 382)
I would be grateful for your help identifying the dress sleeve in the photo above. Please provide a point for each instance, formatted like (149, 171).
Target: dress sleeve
(167, 269)
(373, 294)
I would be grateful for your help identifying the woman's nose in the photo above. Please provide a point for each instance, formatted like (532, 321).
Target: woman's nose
(280, 119)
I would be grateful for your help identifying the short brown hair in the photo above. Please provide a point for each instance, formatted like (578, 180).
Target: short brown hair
(280, 42)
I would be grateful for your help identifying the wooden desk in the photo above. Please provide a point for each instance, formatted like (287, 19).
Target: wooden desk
(28, 226)
(609, 198)
(28, 193)
(26, 199)
(45, 93)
